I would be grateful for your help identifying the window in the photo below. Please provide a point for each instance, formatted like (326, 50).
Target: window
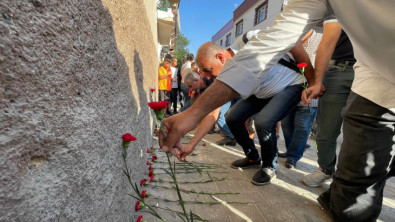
(260, 13)
(220, 43)
(239, 28)
(228, 40)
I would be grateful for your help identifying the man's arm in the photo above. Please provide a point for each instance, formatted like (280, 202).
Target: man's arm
(300, 55)
(331, 34)
(205, 126)
(178, 125)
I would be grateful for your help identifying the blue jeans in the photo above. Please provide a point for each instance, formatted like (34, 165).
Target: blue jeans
(296, 128)
(221, 120)
(268, 112)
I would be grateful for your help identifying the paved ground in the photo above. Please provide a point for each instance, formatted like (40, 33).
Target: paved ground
(286, 199)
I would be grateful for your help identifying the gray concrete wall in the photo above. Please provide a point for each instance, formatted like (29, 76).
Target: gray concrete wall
(74, 77)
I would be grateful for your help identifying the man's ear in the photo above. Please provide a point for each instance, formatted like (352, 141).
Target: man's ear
(221, 57)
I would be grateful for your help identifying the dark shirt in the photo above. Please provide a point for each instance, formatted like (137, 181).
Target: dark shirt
(343, 50)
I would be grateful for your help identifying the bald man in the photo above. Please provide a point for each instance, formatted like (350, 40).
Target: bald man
(280, 93)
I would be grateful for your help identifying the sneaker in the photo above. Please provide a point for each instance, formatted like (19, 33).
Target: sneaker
(290, 164)
(246, 163)
(263, 176)
(227, 141)
(324, 200)
(315, 179)
(282, 154)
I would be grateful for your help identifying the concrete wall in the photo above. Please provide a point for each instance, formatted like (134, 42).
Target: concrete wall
(74, 77)
(150, 7)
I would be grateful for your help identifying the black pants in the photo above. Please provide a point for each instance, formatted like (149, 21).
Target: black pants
(173, 98)
(366, 161)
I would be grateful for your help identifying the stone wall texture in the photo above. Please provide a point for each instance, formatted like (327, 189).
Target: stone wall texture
(74, 77)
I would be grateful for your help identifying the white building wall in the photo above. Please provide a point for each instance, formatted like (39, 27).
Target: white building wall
(274, 8)
(223, 38)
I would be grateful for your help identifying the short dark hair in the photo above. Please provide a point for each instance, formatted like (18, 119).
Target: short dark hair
(168, 58)
(190, 57)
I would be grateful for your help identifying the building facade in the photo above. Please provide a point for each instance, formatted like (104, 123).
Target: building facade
(250, 15)
(168, 26)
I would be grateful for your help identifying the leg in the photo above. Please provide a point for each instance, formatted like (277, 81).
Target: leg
(366, 160)
(287, 124)
(221, 120)
(235, 119)
(304, 117)
(265, 122)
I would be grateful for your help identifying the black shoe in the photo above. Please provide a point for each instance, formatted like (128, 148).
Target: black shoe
(227, 141)
(246, 163)
(290, 164)
(324, 200)
(282, 154)
(307, 146)
(263, 176)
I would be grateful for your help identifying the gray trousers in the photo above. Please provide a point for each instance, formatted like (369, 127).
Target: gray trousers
(366, 161)
(337, 83)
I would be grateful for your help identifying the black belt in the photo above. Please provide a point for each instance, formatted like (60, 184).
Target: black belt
(342, 64)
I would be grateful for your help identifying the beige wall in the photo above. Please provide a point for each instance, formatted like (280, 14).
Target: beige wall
(150, 7)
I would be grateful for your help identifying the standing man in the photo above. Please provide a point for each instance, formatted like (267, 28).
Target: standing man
(366, 158)
(337, 80)
(174, 87)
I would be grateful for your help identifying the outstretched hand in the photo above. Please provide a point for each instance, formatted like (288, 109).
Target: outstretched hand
(314, 91)
(173, 128)
(181, 155)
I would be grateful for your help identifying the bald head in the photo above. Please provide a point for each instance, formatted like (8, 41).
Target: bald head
(211, 58)
(208, 50)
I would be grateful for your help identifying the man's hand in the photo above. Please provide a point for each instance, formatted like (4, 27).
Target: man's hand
(173, 128)
(181, 155)
(314, 91)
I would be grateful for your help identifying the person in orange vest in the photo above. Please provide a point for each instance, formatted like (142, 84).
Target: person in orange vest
(165, 80)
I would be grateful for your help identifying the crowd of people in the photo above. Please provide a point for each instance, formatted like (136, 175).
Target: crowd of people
(257, 79)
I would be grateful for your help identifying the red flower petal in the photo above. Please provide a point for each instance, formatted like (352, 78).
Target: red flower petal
(137, 205)
(301, 65)
(158, 105)
(140, 218)
(153, 90)
(143, 193)
(128, 137)
(152, 179)
(142, 182)
(148, 150)
(151, 173)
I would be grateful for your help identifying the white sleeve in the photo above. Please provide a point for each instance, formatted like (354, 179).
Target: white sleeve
(245, 70)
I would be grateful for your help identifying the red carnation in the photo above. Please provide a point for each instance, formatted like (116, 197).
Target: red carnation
(144, 194)
(153, 179)
(151, 167)
(148, 150)
(139, 205)
(140, 218)
(128, 137)
(151, 173)
(158, 105)
(154, 158)
(153, 90)
(149, 163)
(143, 182)
(302, 65)
(152, 147)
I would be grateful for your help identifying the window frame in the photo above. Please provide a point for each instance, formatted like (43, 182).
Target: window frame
(238, 23)
(259, 7)
(230, 40)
